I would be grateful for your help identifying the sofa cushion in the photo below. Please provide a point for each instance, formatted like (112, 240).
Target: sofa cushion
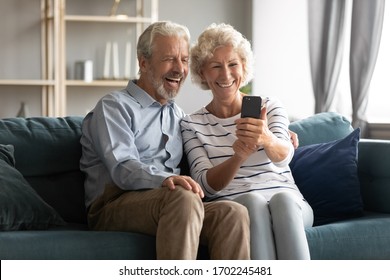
(327, 176)
(20, 206)
(47, 153)
(363, 238)
(374, 175)
(69, 244)
(321, 128)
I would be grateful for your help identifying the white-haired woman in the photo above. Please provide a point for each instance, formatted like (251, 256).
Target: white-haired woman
(244, 159)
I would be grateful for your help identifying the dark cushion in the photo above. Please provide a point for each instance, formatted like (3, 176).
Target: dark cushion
(47, 153)
(21, 208)
(327, 176)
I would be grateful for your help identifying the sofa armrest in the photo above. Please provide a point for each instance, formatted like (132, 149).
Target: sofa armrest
(374, 174)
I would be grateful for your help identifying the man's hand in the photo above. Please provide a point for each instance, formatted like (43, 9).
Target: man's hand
(294, 139)
(184, 181)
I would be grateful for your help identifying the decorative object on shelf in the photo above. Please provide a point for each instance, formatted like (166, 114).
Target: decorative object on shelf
(107, 61)
(114, 7)
(127, 61)
(112, 52)
(115, 57)
(23, 111)
(84, 70)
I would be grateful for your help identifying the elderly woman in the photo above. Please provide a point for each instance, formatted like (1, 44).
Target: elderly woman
(244, 159)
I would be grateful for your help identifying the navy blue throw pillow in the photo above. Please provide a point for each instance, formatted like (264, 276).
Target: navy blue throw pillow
(327, 176)
(21, 208)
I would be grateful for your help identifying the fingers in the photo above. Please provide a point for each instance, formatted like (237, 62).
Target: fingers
(185, 182)
(193, 186)
(252, 123)
(243, 150)
(249, 130)
(263, 114)
(294, 139)
(248, 125)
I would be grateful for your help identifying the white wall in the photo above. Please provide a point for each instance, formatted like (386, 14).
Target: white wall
(19, 55)
(281, 48)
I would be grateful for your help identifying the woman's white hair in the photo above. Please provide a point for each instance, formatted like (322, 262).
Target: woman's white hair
(214, 36)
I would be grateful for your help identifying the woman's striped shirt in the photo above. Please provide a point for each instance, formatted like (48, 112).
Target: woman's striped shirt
(208, 142)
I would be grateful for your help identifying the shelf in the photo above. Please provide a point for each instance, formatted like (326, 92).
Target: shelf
(98, 83)
(20, 82)
(113, 19)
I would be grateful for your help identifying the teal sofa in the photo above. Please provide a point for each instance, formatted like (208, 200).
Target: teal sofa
(47, 152)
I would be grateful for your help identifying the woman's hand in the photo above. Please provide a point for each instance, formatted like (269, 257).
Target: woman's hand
(254, 132)
(242, 150)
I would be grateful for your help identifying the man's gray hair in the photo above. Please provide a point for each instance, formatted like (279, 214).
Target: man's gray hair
(164, 28)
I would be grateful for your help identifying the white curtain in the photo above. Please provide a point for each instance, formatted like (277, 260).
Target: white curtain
(326, 33)
(366, 30)
(326, 37)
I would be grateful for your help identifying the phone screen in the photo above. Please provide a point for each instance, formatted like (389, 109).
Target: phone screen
(251, 107)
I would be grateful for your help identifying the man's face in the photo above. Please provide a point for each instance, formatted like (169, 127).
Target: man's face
(168, 66)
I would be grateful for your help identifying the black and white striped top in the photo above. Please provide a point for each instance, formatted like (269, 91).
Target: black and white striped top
(208, 142)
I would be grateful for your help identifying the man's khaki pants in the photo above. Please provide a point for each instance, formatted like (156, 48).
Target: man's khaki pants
(179, 220)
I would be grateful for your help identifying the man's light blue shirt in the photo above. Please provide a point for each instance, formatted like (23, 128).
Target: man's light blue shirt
(130, 140)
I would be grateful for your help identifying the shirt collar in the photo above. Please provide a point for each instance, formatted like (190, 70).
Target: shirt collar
(142, 96)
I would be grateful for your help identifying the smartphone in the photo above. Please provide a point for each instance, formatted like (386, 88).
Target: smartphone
(251, 107)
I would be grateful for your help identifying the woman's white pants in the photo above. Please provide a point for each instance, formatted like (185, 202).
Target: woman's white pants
(277, 226)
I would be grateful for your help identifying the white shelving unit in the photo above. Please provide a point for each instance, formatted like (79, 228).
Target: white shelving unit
(55, 80)
(48, 82)
(138, 20)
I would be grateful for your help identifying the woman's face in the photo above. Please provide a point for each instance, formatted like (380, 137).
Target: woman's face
(223, 72)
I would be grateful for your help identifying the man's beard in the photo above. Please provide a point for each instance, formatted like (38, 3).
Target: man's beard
(158, 84)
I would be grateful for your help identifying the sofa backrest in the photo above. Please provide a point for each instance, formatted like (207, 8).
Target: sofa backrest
(374, 174)
(47, 153)
(321, 128)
